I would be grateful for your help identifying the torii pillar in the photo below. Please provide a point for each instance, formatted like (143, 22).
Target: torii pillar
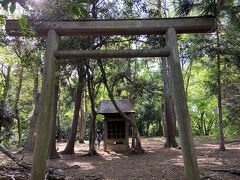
(181, 108)
(41, 144)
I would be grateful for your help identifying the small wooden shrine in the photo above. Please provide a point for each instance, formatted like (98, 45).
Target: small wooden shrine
(116, 129)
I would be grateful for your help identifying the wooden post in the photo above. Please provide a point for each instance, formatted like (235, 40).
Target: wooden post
(43, 127)
(181, 109)
(133, 132)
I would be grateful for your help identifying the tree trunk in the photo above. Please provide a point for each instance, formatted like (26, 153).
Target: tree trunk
(69, 149)
(164, 121)
(181, 108)
(170, 118)
(160, 127)
(5, 95)
(188, 76)
(59, 134)
(16, 108)
(164, 124)
(202, 123)
(33, 120)
(163, 109)
(92, 133)
(6, 85)
(219, 91)
(0, 132)
(52, 143)
(82, 122)
(40, 153)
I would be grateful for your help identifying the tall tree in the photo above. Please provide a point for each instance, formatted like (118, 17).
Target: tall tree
(34, 118)
(92, 96)
(219, 91)
(82, 119)
(52, 142)
(218, 4)
(169, 116)
(69, 149)
(16, 106)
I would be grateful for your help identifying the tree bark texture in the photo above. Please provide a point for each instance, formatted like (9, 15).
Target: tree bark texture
(92, 133)
(69, 149)
(6, 85)
(33, 124)
(40, 153)
(219, 91)
(52, 143)
(59, 134)
(16, 108)
(33, 120)
(170, 118)
(5, 94)
(181, 109)
(82, 121)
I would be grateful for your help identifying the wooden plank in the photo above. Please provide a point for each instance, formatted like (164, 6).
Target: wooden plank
(181, 108)
(117, 27)
(77, 54)
(45, 115)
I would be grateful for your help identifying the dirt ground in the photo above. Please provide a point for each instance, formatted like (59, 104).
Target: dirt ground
(156, 163)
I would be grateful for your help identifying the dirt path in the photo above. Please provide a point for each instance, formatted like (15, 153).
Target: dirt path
(157, 163)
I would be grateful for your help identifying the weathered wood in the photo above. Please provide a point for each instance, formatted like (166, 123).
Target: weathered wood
(73, 54)
(181, 109)
(43, 127)
(117, 26)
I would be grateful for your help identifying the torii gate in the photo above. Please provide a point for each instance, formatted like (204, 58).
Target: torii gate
(168, 26)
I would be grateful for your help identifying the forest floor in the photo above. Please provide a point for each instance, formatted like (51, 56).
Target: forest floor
(156, 163)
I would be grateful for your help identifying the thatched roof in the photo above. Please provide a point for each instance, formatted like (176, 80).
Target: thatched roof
(106, 106)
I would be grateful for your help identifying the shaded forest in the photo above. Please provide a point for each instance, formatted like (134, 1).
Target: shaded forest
(210, 64)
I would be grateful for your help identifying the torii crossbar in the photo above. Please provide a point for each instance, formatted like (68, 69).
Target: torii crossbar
(116, 26)
(170, 27)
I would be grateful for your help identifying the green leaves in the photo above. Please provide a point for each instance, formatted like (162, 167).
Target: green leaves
(78, 7)
(24, 28)
(22, 22)
(83, 11)
(5, 4)
(10, 5)
(2, 20)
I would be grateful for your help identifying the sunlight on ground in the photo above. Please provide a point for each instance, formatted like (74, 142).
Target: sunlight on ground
(83, 165)
(157, 163)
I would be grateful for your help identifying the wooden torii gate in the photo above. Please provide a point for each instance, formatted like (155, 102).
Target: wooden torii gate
(168, 26)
